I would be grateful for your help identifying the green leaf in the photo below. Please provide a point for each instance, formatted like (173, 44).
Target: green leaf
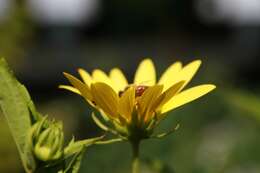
(28, 157)
(75, 147)
(77, 162)
(36, 116)
(74, 165)
(14, 100)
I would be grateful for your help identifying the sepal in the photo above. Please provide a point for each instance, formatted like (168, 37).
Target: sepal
(162, 135)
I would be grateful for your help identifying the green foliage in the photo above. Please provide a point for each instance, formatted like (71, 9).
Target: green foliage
(75, 163)
(14, 102)
(8, 150)
(40, 142)
(75, 147)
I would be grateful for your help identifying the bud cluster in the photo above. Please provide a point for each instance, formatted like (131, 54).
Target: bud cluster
(47, 140)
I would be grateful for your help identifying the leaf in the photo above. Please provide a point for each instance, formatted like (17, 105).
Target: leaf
(14, 100)
(75, 147)
(77, 162)
(28, 157)
(36, 116)
(74, 165)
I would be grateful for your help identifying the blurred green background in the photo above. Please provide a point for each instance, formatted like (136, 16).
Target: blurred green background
(218, 133)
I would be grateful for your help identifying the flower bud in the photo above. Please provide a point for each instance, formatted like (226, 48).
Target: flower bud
(48, 141)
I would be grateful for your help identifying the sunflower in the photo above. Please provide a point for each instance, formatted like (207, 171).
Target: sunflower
(133, 110)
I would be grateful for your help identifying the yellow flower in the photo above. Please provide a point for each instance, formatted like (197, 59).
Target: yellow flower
(135, 109)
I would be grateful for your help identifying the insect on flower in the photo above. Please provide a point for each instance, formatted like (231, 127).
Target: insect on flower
(139, 90)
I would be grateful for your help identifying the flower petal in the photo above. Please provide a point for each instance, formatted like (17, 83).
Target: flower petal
(118, 78)
(85, 76)
(145, 73)
(170, 73)
(105, 98)
(147, 101)
(186, 74)
(127, 103)
(167, 95)
(83, 88)
(70, 88)
(100, 76)
(187, 96)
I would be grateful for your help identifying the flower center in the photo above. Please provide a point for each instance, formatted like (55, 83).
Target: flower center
(139, 90)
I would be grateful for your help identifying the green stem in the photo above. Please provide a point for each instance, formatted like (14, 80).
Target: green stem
(135, 160)
(108, 141)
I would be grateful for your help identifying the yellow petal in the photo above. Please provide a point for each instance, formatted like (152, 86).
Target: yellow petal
(83, 88)
(145, 73)
(127, 103)
(147, 100)
(100, 76)
(85, 76)
(170, 73)
(70, 88)
(187, 96)
(185, 74)
(105, 98)
(118, 78)
(167, 95)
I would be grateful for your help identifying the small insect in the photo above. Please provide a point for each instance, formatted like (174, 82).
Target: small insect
(139, 90)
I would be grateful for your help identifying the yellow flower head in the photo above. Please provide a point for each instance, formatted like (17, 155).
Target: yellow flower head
(135, 109)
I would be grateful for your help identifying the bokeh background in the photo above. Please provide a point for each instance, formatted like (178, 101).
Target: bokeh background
(218, 134)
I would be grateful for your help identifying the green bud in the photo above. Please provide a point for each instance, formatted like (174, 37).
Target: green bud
(48, 140)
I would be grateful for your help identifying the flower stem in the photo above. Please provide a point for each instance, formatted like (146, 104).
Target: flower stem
(135, 160)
